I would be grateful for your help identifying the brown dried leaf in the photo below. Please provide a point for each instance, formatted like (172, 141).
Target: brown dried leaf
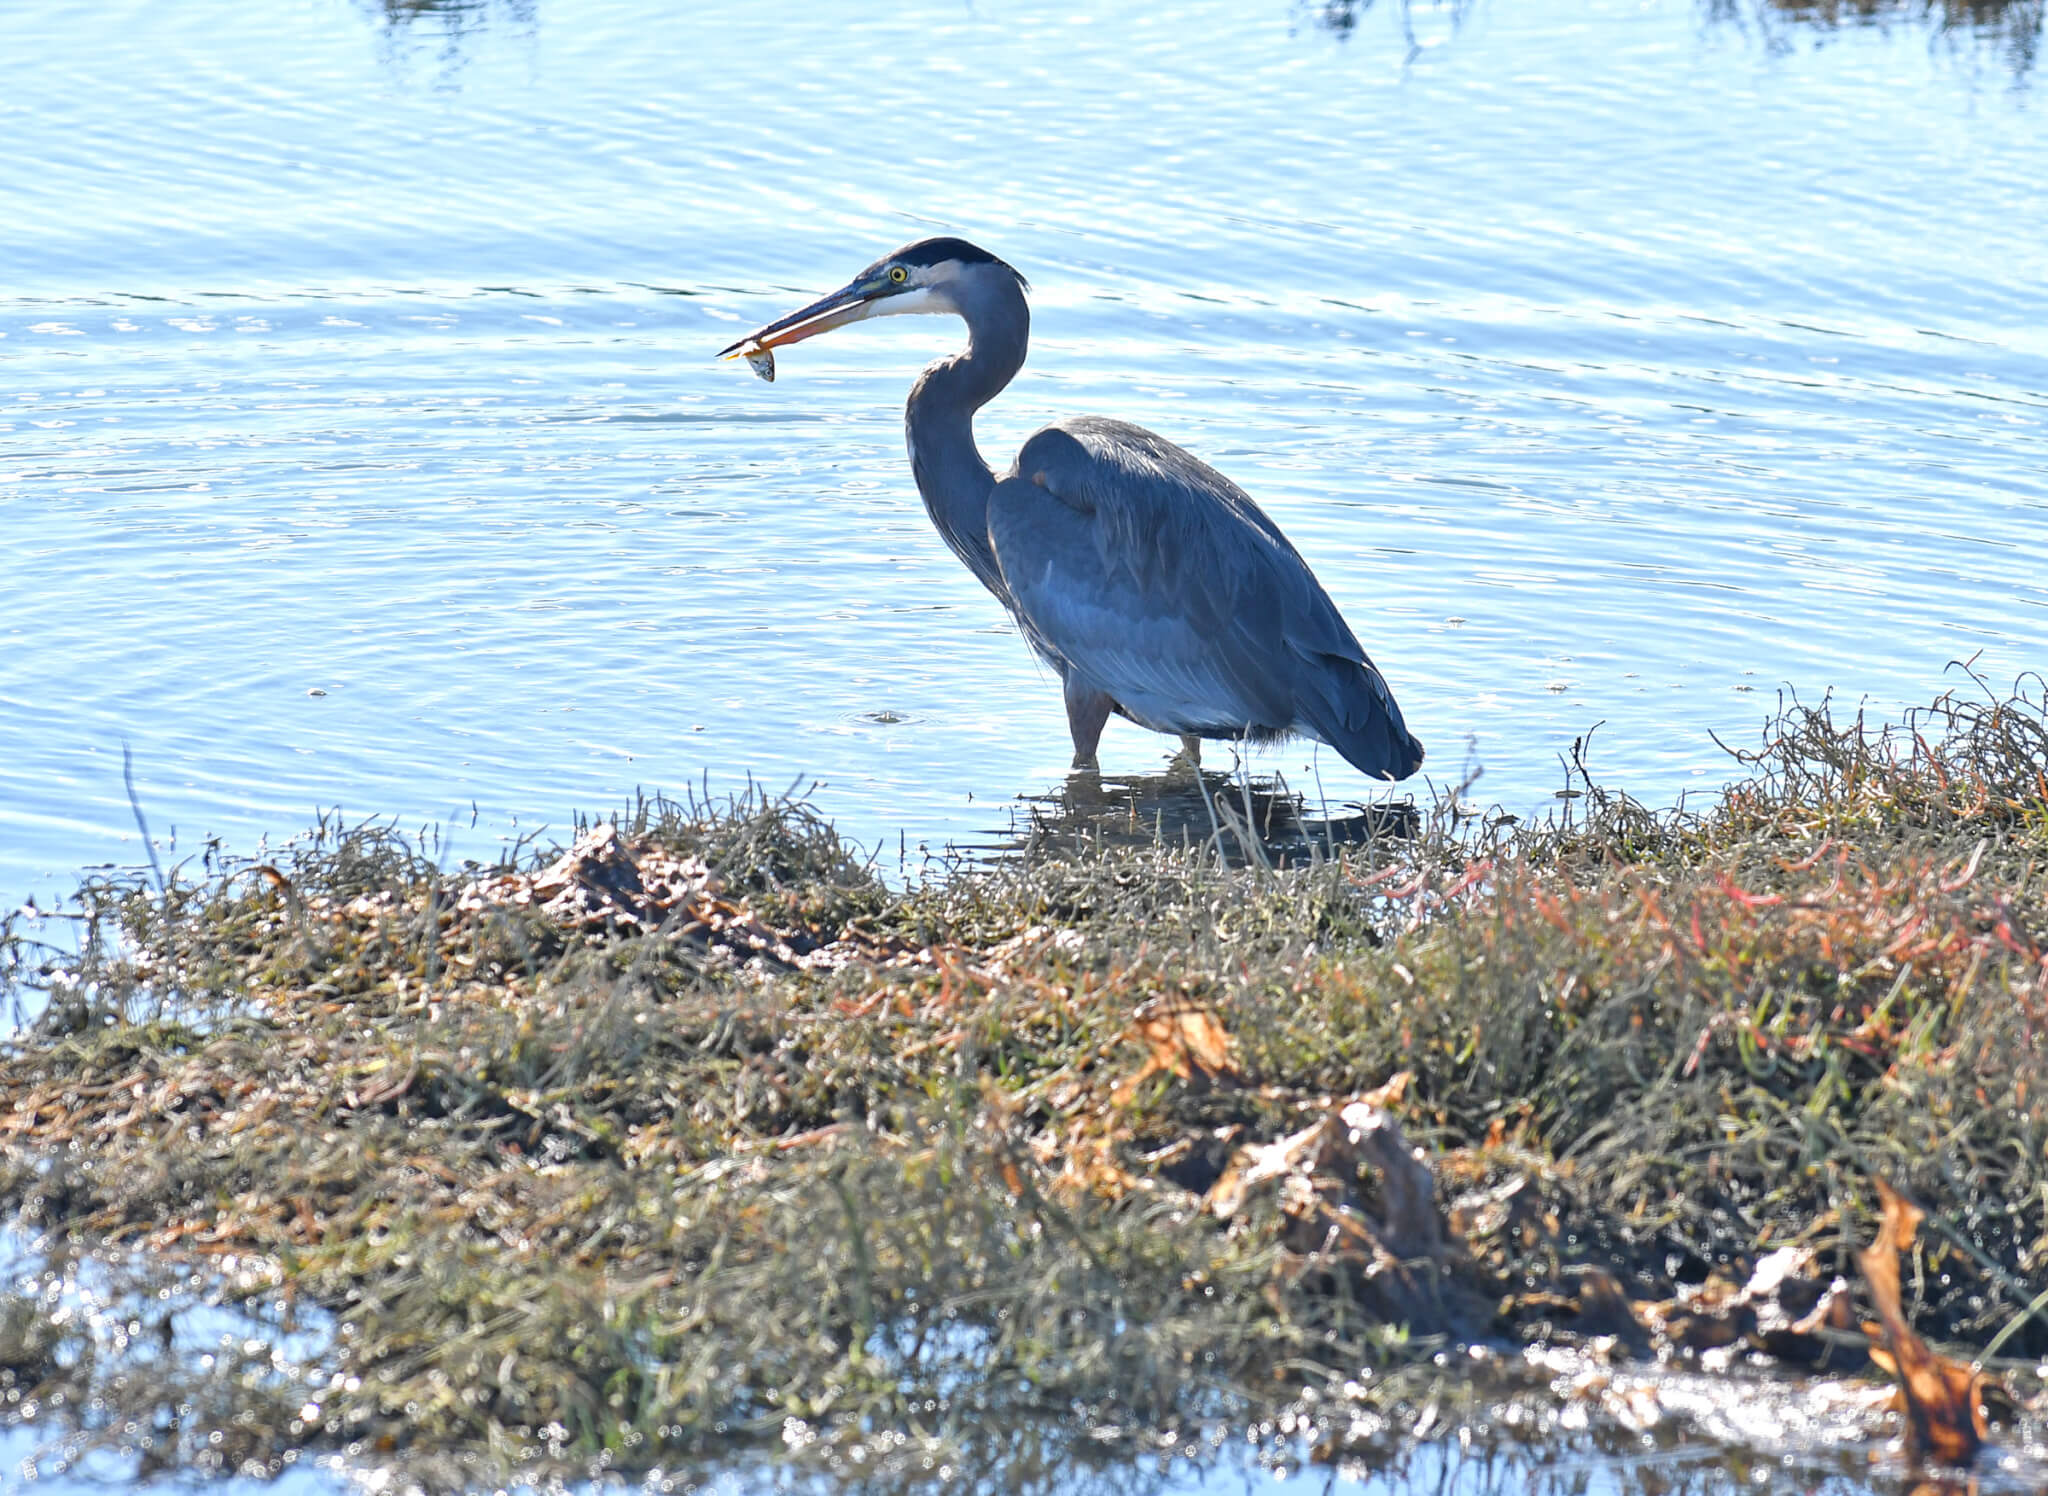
(1318, 1169)
(1184, 1038)
(1942, 1397)
(1390, 1093)
(1255, 1163)
(1089, 1165)
(1717, 1313)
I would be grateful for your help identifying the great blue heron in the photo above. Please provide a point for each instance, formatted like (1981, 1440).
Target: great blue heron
(1152, 583)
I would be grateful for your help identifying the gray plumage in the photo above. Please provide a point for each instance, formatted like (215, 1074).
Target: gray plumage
(1148, 580)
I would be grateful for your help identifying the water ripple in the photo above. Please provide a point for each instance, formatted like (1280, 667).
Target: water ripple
(1610, 363)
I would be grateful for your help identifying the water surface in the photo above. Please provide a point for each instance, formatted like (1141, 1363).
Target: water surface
(361, 443)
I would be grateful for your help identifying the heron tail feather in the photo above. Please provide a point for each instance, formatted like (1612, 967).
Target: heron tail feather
(1353, 711)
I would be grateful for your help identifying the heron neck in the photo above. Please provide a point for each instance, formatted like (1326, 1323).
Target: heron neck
(939, 425)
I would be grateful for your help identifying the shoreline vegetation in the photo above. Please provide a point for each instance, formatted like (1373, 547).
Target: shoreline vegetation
(692, 1143)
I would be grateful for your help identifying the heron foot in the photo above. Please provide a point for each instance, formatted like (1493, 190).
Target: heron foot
(1188, 760)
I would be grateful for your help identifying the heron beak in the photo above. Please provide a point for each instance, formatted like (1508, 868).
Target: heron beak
(848, 304)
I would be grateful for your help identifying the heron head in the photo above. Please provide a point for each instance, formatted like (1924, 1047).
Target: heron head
(931, 275)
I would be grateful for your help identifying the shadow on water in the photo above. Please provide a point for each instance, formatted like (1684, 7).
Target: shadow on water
(1255, 819)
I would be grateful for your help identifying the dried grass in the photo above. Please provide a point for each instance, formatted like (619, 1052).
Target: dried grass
(695, 1137)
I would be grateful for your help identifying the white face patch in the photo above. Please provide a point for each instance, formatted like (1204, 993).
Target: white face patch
(926, 298)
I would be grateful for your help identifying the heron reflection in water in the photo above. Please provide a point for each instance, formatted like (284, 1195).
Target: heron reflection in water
(1153, 584)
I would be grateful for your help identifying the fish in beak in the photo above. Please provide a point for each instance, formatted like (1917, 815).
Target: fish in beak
(872, 294)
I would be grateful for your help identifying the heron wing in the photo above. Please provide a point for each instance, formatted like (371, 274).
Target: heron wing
(1160, 580)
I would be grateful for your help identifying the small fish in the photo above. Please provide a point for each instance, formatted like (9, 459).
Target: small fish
(761, 361)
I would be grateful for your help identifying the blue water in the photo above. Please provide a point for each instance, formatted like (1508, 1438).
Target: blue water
(361, 441)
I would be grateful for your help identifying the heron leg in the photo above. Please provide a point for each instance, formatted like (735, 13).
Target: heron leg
(1189, 760)
(1087, 711)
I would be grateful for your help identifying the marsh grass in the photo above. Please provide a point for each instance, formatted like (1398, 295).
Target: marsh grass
(730, 1146)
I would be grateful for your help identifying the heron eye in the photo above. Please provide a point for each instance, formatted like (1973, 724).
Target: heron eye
(898, 274)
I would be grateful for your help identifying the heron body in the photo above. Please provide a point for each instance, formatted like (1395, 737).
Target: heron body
(1153, 584)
